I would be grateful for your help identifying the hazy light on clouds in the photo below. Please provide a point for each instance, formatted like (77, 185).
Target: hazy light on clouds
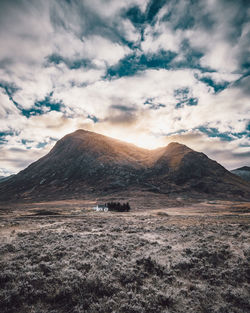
(148, 72)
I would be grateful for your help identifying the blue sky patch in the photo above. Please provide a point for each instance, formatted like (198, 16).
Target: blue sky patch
(138, 18)
(4, 134)
(93, 118)
(217, 87)
(57, 59)
(42, 107)
(41, 145)
(224, 136)
(2, 138)
(153, 8)
(133, 63)
(135, 15)
(184, 97)
(47, 102)
(153, 105)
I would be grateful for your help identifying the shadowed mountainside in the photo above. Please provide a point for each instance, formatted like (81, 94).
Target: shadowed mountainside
(85, 162)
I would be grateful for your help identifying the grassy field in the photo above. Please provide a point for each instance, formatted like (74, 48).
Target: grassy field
(62, 257)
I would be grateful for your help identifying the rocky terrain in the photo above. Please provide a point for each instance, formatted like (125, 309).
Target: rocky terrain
(63, 257)
(84, 163)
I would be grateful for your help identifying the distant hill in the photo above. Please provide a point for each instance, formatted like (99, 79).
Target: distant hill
(84, 163)
(243, 172)
(5, 178)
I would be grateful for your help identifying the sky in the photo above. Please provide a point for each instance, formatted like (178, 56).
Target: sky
(147, 72)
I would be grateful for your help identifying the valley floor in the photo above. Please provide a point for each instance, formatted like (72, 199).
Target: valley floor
(63, 257)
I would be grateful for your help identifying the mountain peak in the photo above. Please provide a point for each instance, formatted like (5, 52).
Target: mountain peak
(80, 130)
(85, 162)
(175, 143)
(178, 146)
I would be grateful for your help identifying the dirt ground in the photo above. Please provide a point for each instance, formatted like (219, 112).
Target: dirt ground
(162, 256)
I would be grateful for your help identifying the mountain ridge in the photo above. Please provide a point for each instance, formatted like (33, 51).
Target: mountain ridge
(242, 168)
(243, 172)
(85, 162)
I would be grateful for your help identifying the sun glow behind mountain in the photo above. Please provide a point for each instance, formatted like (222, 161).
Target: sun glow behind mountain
(143, 140)
(144, 71)
(85, 162)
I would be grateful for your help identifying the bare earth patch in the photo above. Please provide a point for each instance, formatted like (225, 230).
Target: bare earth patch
(62, 257)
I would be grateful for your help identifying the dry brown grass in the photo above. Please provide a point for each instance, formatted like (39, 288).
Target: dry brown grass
(166, 259)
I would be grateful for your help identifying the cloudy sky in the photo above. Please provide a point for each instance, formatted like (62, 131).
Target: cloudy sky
(144, 71)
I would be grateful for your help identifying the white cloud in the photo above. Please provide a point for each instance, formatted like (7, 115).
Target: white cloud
(28, 43)
(7, 107)
(103, 50)
(129, 31)
(39, 29)
(111, 8)
(161, 37)
(225, 111)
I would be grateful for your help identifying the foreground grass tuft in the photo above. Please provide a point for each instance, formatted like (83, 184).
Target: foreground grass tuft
(113, 264)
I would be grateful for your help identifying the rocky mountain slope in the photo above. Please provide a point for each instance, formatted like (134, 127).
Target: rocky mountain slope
(243, 172)
(85, 162)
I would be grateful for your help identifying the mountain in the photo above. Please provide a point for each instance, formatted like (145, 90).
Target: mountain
(243, 172)
(84, 163)
(4, 178)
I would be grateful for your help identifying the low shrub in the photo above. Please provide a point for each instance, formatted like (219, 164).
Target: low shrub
(118, 207)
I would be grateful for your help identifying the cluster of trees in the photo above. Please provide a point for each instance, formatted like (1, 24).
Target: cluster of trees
(119, 207)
